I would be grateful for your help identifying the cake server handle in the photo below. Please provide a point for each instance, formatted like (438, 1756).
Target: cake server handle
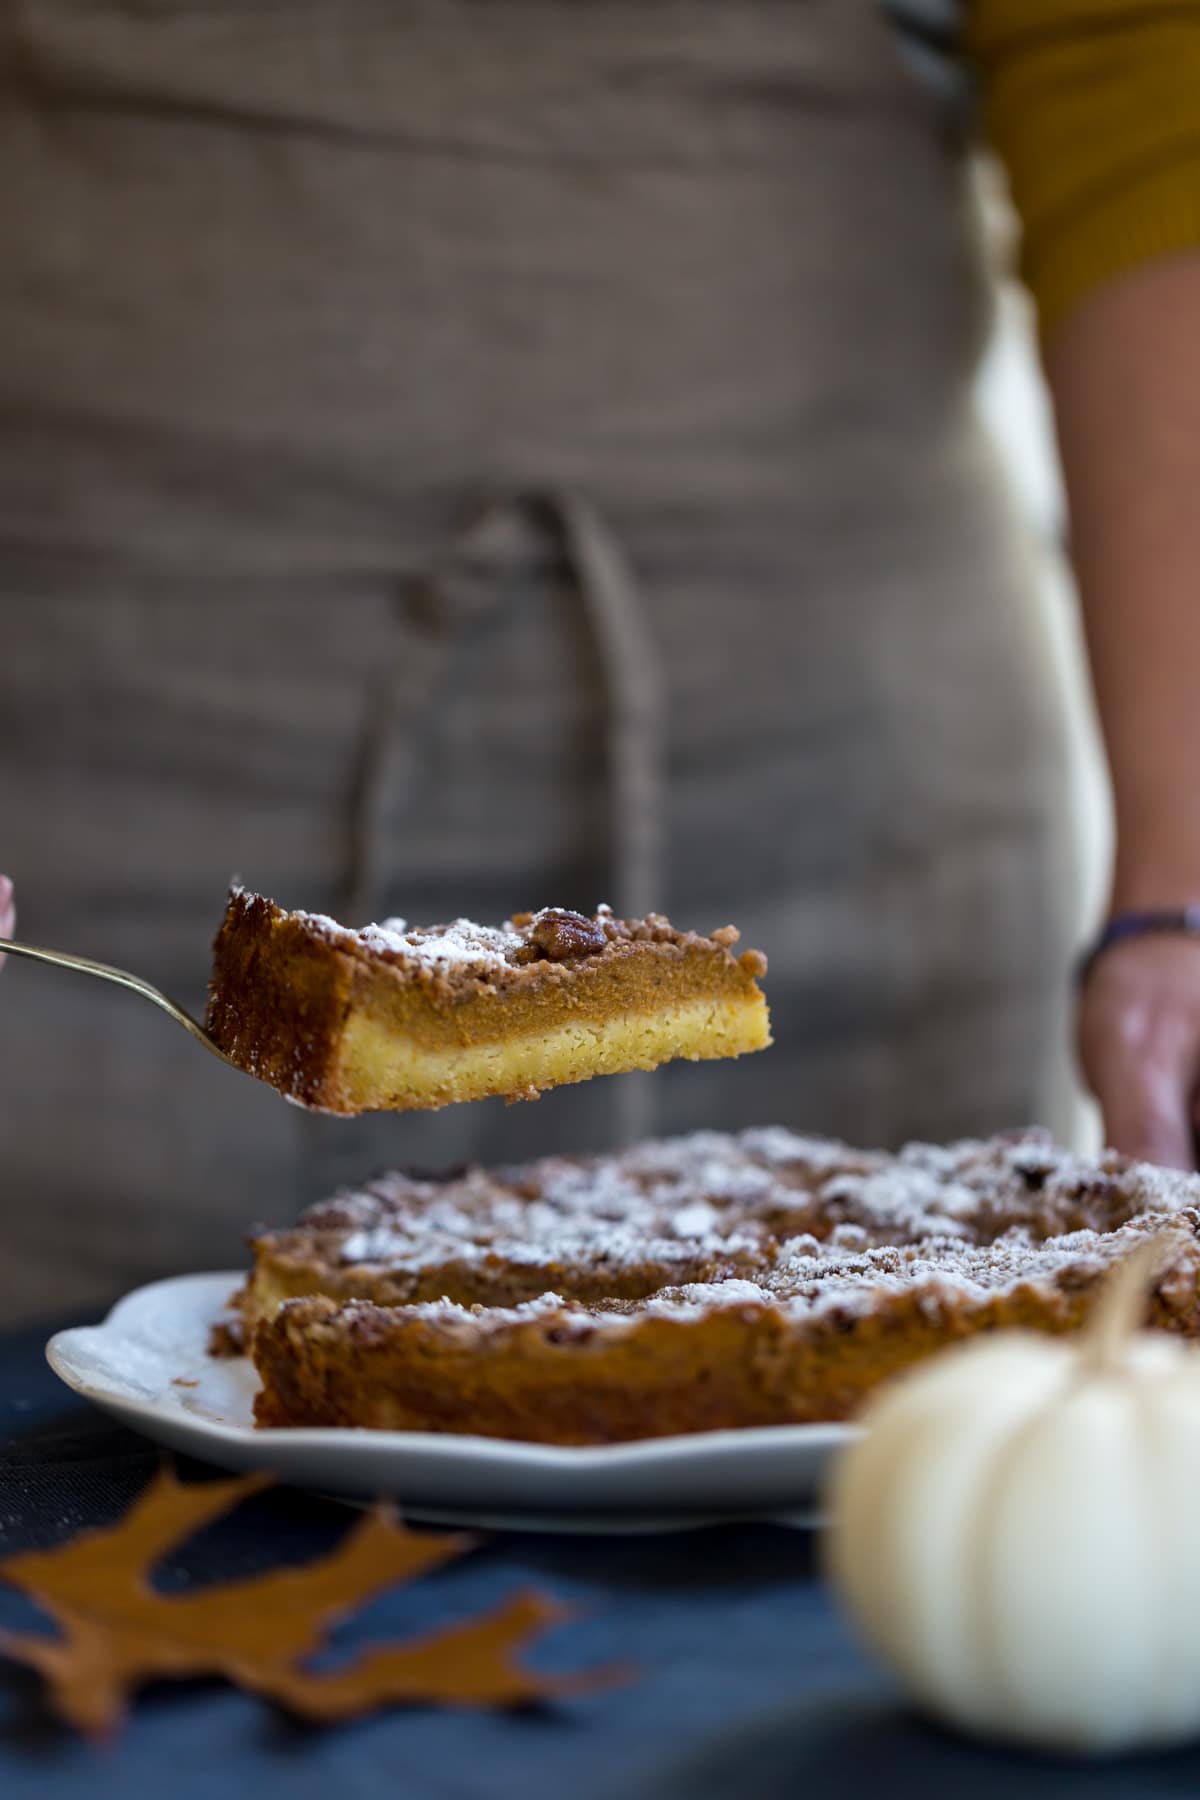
(124, 979)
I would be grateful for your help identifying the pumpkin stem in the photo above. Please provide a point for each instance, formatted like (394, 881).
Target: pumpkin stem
(1122, 1305)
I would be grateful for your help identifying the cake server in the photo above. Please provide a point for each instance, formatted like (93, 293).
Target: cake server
(122, 978)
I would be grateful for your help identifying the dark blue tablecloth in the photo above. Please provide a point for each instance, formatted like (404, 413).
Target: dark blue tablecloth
(749, 1685)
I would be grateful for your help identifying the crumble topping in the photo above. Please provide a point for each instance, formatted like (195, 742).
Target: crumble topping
(462, 943)
(554, 935)
(769, 1217)
(814, 1284)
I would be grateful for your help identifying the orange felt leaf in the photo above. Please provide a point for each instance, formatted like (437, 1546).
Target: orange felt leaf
(116, 1633)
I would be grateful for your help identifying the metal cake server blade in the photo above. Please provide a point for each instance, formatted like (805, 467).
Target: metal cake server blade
(122, 978)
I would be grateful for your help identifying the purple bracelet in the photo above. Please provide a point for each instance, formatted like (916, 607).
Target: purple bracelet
(1178, 921)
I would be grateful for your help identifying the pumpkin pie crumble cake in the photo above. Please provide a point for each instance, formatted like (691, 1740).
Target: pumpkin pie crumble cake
(707, 1282)
(400, 1018)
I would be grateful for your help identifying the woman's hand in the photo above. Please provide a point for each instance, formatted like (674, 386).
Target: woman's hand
(1139, 1043)
(8, 912)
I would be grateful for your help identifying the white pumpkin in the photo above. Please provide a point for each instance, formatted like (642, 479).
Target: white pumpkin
(1017, 1532)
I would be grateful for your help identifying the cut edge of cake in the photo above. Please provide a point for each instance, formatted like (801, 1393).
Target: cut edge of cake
(380, 1070)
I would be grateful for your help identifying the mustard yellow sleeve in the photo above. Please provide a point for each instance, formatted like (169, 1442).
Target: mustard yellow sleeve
(1094, 106)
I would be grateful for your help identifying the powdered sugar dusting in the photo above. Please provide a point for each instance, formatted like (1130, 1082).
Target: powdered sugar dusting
(766, 1218)
(462, 944)
(696, 1219)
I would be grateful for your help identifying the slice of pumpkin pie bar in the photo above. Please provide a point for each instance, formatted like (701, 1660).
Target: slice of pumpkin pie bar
(397, 1018)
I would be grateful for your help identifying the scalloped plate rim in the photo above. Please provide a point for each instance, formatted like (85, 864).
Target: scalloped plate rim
(440, 1470)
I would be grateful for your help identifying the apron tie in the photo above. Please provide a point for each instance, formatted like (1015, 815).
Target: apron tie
(634, 724)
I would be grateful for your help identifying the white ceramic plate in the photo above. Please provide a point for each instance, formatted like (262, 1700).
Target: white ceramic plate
(148, 1366)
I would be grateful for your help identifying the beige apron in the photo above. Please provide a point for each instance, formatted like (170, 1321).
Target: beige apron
(458, 457)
